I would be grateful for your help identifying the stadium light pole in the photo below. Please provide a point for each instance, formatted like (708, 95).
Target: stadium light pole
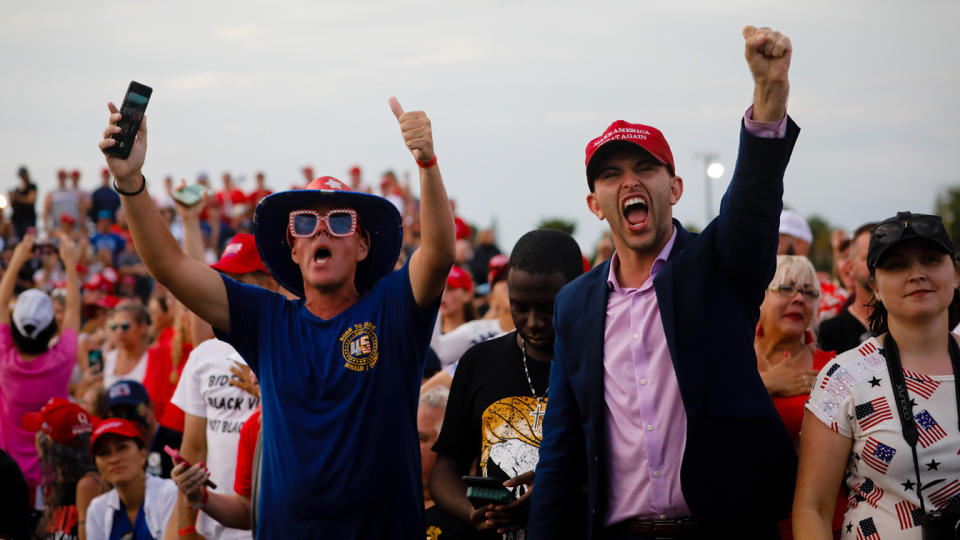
(712, 170)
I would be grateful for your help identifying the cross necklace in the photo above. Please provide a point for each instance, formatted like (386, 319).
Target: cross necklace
(541, 408)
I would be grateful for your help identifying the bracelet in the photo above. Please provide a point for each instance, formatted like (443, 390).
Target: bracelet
(183, 531)
(427, 164)
(143, 185)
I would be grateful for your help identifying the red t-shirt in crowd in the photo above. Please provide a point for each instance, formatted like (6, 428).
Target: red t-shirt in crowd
(791, 408)
(159, 382)
(243, 481)
(254, 197)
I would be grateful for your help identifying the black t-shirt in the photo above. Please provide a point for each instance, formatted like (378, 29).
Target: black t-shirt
(158, 462)
(24, 212)
(16, 517)
(491, 415)
(841, 333)
(443, 526)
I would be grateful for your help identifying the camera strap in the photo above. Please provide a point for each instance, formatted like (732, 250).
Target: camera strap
(902, 398)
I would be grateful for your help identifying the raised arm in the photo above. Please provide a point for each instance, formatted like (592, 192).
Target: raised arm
(21, 254)
(193, 247)
(195, 284)
(768, 54)
(431, 262)
(70, 255)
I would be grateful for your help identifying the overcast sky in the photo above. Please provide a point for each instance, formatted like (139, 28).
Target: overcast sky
(514, 89)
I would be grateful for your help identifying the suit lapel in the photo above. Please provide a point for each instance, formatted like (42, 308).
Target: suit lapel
(595, 318)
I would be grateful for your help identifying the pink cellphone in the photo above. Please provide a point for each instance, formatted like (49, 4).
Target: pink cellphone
(178, 459)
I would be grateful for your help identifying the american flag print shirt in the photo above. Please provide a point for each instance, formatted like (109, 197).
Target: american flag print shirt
(853, 397)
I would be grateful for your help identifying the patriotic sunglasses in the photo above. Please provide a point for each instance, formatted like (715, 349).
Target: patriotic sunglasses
(339, 222)
(891, 231)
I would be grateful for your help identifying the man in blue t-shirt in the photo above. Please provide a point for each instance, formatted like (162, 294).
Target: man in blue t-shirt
(340, 367)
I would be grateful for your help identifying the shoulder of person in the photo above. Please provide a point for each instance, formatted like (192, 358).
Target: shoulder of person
(213, 348)
(852, 367)
(484, 351)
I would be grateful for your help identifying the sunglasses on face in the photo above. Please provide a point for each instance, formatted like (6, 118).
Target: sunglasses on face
(790, 290)
(339, 222)
(123, 327)
(888, 233)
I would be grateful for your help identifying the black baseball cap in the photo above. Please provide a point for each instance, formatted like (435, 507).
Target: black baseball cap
(127, 393)
(905, 226)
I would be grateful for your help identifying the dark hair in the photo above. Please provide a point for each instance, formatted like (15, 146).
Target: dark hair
(37, 345)
(547, 251)
(62, 467)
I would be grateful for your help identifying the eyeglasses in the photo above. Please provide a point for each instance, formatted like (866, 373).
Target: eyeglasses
(122, 326)
(890, 232)
(339, 222)
(790, 290)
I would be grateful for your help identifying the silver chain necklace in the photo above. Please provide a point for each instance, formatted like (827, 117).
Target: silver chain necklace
(540, 412)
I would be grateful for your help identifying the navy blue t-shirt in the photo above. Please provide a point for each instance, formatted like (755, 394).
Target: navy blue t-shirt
(341, 457)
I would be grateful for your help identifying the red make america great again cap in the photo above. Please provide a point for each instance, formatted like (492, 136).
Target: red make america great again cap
(646, 137)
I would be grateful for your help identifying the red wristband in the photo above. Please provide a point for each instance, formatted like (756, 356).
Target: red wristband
(427, 164)
(183, 531)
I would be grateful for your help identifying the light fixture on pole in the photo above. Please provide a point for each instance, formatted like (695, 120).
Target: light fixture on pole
(712, 170)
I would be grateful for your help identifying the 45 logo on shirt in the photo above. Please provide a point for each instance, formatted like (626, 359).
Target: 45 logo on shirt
(359, 347)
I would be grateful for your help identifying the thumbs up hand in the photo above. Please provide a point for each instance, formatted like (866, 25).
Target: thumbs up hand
(416, 131)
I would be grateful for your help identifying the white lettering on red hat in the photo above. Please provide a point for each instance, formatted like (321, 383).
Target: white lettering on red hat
(335, 184)
(232, 249)
(109, 424)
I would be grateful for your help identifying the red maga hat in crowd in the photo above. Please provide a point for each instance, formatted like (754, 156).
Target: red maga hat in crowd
(458, 278)
(240, 256)
(114, 426)
(646, 137)
(61, 420)
(379, 218)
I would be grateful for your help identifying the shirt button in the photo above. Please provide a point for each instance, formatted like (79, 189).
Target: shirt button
(649, 427)
(636, 335)
(643, 380)
(656, 474)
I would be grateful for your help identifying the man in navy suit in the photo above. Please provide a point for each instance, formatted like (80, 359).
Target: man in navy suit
(655, 404)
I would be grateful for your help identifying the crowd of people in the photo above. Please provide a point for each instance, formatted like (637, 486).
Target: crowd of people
(260, 364)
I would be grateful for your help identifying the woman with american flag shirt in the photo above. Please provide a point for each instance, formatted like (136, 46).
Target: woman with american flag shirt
(854, 431)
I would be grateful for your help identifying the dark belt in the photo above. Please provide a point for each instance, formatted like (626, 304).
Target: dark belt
(662, 528)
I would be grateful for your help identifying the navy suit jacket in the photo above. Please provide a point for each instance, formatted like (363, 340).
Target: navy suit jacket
(739, 465)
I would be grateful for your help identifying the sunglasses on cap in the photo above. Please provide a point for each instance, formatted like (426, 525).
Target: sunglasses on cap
(123, 327)
(339, 222)
(891, 231)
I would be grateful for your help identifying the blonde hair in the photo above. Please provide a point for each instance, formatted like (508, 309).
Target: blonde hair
(796, 270)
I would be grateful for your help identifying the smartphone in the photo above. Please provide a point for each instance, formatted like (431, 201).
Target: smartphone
(95, 360)
(189, 195)
(177, 459)
(132, 109)
(482, 491)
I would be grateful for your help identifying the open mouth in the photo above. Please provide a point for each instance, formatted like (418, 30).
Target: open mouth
(635, 211)
(321, 255)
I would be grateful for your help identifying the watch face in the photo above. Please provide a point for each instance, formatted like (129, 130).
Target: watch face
(154, 465)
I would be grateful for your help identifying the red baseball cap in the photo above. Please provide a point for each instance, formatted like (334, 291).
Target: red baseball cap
(463, 231)
(67, 218)
(458, 278)
(240, 256)
(61, 420)
(646, 137)
(497, 268)
(114, 426)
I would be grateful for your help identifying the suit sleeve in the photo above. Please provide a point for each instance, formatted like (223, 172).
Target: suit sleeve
(556, 502)
(748, 225)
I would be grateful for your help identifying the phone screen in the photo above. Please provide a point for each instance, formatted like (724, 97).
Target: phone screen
(95, 360)
(132, 110)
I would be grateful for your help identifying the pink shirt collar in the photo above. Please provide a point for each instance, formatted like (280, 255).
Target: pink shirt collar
(658, 263)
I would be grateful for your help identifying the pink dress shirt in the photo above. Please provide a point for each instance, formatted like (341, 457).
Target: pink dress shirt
(646, 423)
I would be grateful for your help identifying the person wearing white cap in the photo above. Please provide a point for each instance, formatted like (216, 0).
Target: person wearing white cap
(32, 370)
(795, 234)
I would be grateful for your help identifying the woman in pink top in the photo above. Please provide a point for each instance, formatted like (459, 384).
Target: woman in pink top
(33, 366)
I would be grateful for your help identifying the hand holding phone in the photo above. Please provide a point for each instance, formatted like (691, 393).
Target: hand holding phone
(178, 459)
(189, 195)
(482, 490)
(131, 114)
(95, 361)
